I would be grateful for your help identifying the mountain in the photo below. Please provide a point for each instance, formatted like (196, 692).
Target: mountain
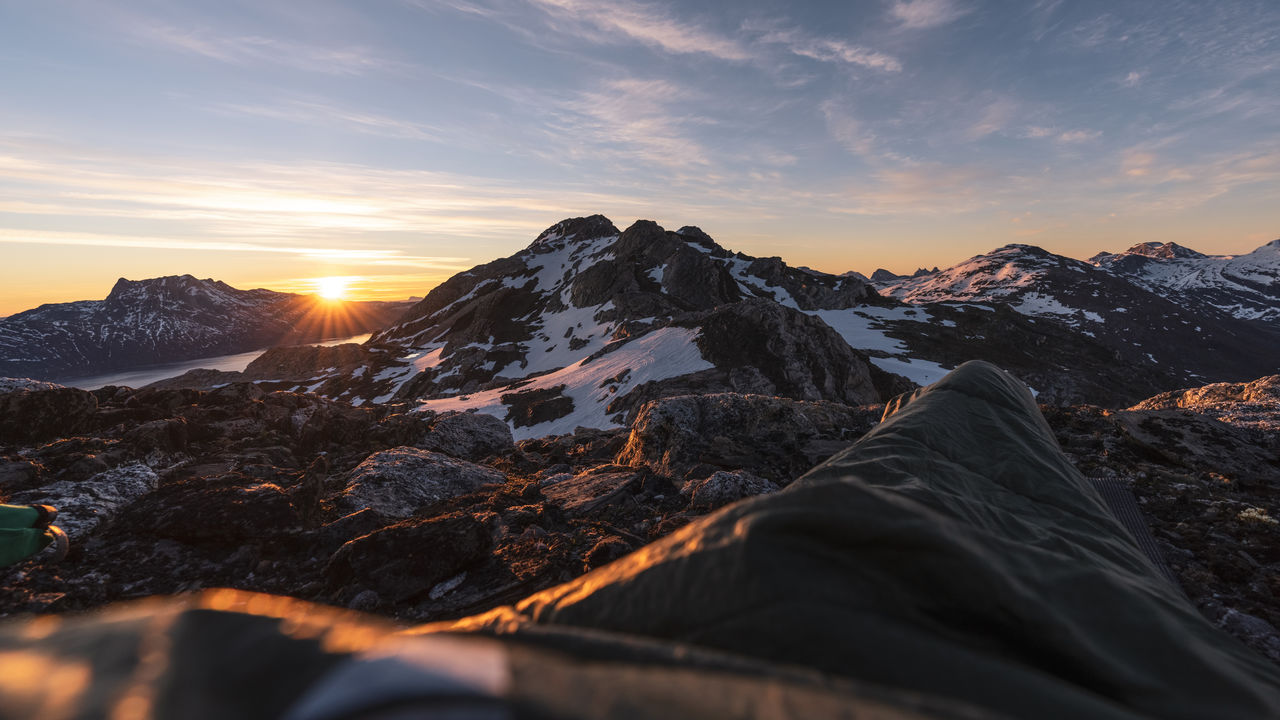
(1244, 286)
(168, 319)
(589, 322)
(1191, 340)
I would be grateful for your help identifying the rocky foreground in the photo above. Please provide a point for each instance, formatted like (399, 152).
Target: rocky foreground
(426, 516)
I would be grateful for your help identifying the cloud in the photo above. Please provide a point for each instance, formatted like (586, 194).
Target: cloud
(1079, 136)
(632, 119)
(996, 115)
(1132, 79)
(822, 49)
(640, 23)
(921, 189)
(846, 129)
(922, 14)
(259, 50)
(307, 112)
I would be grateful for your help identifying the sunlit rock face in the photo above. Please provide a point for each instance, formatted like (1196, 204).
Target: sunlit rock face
(167, 319)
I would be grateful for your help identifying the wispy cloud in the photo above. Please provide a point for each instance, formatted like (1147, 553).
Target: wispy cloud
(633, 119)
(637, 22)
(1078, 136)
(922, 14)
(921, 189)
(310, 112)
(1133, 79)
(846, 129)
(259, 50)
(829, 50)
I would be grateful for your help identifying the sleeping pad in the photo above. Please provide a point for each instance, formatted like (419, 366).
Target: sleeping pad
(951, 563)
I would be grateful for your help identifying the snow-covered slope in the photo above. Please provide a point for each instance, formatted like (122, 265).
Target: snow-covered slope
(168, 319)
(1191, 339)
(1244, 286)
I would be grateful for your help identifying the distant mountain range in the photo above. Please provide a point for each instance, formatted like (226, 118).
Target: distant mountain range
(588, 322)
(169, 319)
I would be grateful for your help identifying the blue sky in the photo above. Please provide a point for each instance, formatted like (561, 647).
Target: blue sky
(399, 141)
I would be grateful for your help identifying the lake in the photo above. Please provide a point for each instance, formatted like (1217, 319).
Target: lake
(139, 376)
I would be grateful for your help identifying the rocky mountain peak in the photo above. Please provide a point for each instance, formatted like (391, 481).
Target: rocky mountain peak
(574, 230)
(1166, 251)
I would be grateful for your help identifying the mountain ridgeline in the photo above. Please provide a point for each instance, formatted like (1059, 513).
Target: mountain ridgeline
(588, 322)
(168, 319)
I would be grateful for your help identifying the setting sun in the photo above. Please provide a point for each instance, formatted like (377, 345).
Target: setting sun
(331, 288)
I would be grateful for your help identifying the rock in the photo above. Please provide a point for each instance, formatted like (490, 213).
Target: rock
(527, 408)
(606, 551)
(725, 486)
(365, 601)
(229, 510)
(397, 482)
(84, 506)
(18, 475)
(163, 435)
(9, 384)
(410, 558)
(33, 415)
(1252, 405)
(799, 355)
(1195, 440)
(775, 438)
(468, 435)
(593, 489)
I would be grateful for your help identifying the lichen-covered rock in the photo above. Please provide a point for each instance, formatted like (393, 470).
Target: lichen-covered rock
(725, 486)
(409, 558)
(468, 435)
(84, 506)
(778, 439)
(397, 482)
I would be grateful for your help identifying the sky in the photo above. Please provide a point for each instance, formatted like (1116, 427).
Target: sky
(397, 142)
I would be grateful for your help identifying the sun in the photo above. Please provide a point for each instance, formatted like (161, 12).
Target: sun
(331, 288)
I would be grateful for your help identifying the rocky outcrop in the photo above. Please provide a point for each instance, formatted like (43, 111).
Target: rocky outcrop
(692, 436)
(1252, 404)
(398, 482)
(33, 415)
(789, 353)
(84, 506)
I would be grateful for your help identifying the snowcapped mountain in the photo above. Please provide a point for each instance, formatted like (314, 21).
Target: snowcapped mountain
(1191, 340)
(1244, 286)
(168, 319)
(588, 322)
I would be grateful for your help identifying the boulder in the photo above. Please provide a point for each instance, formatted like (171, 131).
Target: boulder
(468, 435)
(778, 439)
(84, 506)
(409, 558)
(593, 489)
(398, 481)
(723, 487)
